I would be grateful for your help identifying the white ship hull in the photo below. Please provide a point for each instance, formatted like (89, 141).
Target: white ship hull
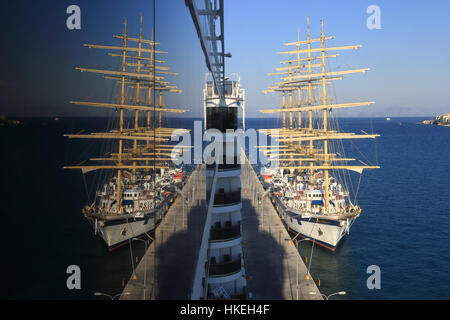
(324, 231)
(117, 234)
(115, 231)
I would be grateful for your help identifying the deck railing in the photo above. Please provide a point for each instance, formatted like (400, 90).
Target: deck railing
(224, 268)
(226, 166)
(227, 198)
(227, 233)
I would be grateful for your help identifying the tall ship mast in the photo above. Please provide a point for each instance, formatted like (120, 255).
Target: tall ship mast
(310, 185)
(140, 177)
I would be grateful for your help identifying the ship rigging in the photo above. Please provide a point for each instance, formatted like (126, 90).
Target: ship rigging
(313, 198)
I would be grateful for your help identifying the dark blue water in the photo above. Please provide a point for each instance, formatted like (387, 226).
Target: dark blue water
(404, 227)
(43, 229)
(405, 224)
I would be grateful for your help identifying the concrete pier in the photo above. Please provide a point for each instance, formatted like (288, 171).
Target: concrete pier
(166, 271)
(274, 268)
(273, 265)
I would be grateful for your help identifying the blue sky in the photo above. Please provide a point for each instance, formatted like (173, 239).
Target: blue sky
(409, 57)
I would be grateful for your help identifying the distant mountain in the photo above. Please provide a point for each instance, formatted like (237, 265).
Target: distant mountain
(391, 111)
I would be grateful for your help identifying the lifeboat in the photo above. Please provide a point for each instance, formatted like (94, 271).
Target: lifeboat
(178, 176)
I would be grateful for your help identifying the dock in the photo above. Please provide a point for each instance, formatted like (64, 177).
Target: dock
(274, 268)
(166, 271)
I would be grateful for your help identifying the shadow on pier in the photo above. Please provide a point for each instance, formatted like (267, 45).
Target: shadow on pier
(273, 267)
(177, 253)
(167, 269)
(263, 256)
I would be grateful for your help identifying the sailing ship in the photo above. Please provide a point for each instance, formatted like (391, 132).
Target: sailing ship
(141, 178)
(310, 183)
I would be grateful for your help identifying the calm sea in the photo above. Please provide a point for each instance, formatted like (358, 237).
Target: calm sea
(404, 228)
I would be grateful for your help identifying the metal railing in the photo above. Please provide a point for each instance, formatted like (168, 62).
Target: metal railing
(227, 233)
(227, 198)
(225, 268)
(226, 166)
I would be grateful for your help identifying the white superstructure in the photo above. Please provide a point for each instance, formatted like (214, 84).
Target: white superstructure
(142, 205)
(222, 273)
(302, 208)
